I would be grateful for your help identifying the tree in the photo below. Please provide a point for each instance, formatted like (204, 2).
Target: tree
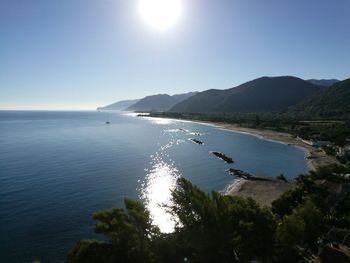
(290, 232)
(91, 251)
(212, 227)
(130, 232)
(300, 229)
(216, 227)
(288, 201)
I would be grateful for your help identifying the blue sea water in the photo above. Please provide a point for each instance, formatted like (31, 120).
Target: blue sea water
(57, 168)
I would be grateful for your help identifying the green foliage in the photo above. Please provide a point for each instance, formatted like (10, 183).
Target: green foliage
(313, 221)
(333, 172)
(91, 251)
(288, 201)
(129, 230)
(308, 189)
(300, 229)
(339, 216)
(290, 232)
(217, 228)
(211, 228)
(333, 102)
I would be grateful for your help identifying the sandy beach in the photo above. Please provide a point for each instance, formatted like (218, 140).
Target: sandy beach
(265, 192)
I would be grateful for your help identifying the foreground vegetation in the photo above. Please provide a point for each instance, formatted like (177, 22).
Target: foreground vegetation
(217, 228)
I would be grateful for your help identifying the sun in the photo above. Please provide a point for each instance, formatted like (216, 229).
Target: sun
(161, 14)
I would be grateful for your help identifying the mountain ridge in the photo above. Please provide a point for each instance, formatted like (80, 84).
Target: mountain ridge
(323, 82)
(159, 102)
(258, 95)
(332, 102)
(119, 105)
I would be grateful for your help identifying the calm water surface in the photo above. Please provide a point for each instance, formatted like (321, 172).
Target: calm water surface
(57, 168)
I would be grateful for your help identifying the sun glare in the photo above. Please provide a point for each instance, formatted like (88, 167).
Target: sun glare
(161, 14)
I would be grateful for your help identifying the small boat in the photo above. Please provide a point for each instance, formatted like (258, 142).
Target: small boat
(107, 121)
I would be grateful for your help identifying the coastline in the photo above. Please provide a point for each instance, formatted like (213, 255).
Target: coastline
(319, 157)
(265, 192)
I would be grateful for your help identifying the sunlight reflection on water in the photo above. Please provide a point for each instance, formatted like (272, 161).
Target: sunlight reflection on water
(160, 181)
(161, 178)
(156, 191)
(162, 121)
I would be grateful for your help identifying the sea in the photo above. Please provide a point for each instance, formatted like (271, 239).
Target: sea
(59, 167)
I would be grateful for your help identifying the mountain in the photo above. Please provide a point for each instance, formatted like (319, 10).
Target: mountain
(120, 105)
(323, 82)
(332, 102)
(160, 102)
(262, 94)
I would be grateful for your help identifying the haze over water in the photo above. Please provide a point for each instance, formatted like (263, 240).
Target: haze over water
(57, 168)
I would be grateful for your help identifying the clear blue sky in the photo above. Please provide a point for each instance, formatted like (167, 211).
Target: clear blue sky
(84, 53)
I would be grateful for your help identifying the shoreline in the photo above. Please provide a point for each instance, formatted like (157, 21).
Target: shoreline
(319, 157)
(265, 192)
